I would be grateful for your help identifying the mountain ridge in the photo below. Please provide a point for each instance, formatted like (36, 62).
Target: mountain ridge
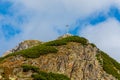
(71, 56)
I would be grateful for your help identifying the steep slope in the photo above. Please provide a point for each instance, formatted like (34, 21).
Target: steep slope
(69, 58)
(109, 65)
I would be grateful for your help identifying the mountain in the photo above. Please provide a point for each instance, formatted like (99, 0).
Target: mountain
(66, 58)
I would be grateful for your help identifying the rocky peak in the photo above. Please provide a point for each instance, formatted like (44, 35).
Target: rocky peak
(65, 35)
(23, 45)
(26, 44)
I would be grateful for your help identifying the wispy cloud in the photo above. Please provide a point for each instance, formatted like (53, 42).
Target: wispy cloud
(105, 35)
(46, 20)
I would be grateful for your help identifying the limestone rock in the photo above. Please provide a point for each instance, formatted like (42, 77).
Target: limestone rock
(65, 35)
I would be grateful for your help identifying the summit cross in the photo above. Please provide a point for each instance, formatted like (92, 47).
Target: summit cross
(67, 29)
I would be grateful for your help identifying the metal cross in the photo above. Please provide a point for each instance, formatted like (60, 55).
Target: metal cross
(67, 29)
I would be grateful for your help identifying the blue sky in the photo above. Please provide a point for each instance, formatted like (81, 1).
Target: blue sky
(98, 21)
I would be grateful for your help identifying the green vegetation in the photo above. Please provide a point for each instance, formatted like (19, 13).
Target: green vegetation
(109, 64)
(93, 45)
(64, 41)
(56, 43)
(40, 75)
(26, 68)
(35, 51)
(48, 47)
(49, 76)
(1, 59)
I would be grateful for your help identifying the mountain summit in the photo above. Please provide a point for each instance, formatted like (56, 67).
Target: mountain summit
(67, 58)
(65, 35)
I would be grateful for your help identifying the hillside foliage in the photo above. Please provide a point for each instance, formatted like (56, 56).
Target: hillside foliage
(66, 40)
(110, 65)
(40, 75)
(35, 51)
(48, 47)
(27, 68)
(49, 76)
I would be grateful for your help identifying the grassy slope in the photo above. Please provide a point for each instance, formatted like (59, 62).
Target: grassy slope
(40, 75)
(110, 65)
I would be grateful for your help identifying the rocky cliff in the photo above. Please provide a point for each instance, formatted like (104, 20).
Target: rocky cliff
(74, 59)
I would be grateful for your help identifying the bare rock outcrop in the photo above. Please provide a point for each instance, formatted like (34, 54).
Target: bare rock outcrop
(78, 62)
(23, 45)
(65, 35)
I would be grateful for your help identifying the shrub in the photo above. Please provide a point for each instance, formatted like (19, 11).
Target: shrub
(110, 65)
(40, 75)
(35, 51)
(76, 39)
(26, 68)
(56, 43)
(64, 41)
(1, 59)
(93, 45)
(49, 76)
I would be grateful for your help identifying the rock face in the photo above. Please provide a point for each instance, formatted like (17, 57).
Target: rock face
(65, 35)
(78, 62)
(26, 44)
(75, 60)
(23, 45)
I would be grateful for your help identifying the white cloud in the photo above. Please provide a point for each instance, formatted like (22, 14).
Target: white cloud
(43, 17)
(71, 8)
(106, 36)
